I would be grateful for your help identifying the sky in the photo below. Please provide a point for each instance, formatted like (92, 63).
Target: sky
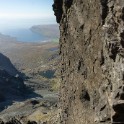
(20, 13)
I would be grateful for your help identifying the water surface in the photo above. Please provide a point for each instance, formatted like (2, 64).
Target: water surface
(25, 35)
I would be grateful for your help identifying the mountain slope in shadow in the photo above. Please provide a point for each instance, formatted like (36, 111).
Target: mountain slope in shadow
(12, 87)
(5, 64)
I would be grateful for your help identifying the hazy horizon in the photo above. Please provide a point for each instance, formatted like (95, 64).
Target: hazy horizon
(18, 16)
(24, 14)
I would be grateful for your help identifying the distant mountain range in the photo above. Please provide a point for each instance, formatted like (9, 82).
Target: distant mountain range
(49, 31)
(37, 33)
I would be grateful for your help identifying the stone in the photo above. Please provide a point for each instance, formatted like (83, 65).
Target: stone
(1, 122)
(32, 122)
(91, 50)
(13, 121)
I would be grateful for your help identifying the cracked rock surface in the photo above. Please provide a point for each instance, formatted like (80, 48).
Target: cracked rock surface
(92, 61)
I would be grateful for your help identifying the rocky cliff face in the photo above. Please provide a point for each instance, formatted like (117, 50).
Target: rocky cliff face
(92, 60)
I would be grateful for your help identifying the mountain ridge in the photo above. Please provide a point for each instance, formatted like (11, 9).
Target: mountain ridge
(51, 31)
(5, 64)
(11, 82)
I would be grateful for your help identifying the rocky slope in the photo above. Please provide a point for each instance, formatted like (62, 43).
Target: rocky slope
(5, 64)
(92, 60)
(11, 83)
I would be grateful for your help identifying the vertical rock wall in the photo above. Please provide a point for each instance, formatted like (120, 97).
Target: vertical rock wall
(92, 60)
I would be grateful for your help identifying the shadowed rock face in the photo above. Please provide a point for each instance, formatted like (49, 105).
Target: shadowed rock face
(6, 65)
(57, 7)
(12, 89)
(11, 84)
(92, 60)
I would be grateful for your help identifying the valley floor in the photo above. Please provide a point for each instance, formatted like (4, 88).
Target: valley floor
(38, 63)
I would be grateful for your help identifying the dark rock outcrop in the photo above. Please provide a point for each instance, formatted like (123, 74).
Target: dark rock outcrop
(32, 122)
(92, 61)
(57, 7)
(1, 122)
(13, 121)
